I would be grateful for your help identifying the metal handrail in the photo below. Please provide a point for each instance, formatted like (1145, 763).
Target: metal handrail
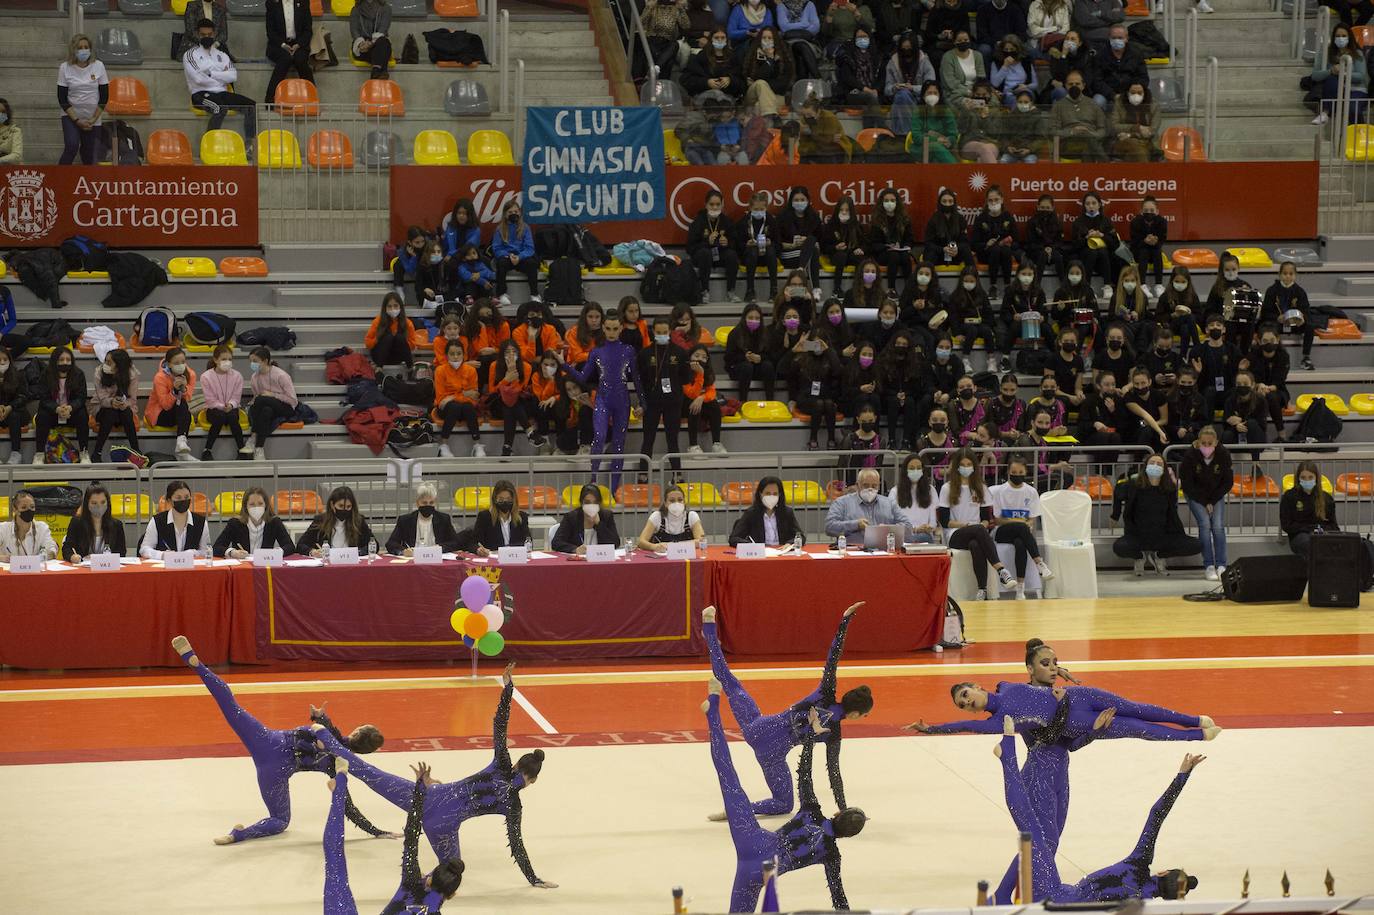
(505, 62)
(1190, 61)
(1299, 19)
(520, 111)
(493, 46)
(1169, 26)
(1322, 28)
(637, 31)
(1210, 119)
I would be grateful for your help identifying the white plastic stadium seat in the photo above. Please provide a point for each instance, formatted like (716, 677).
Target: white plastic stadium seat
(1068, 517)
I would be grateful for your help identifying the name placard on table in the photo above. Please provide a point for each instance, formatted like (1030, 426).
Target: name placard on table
(343, 555)
(180, 559)
(428, 555)
(26, 565)
(682, 549)
(270, 558)
(750, 551)
(512, 555)
(105, 562)
(602, 552)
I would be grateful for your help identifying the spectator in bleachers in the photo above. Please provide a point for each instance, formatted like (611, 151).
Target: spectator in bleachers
(1045, 244)
(368, 26)
(943, 372)
(843, 18)
(1050, 402)
(842, 240)
(933, 128)
(1147, 505)
(1066, 367)
(937, 437)
(1047, 22)
(255, 527)
(547, 392)
(1187, 411)
(823, 139)
(908, 69)
(1150, 407)
(340, 525)
(1351, 12)
(1149, 231)
(700, 400)
(714, 73)
(768, 72)
(392, 337)
(1244, 412)
(946, 234)
(994, 238)
(513, 248)
(1072, 54)
(217, 12)
(1101, 417)
(863, 439)
(1227, 283)
(1134, 124)
(833, 327)
(813, 386)
(433, 275)
(901, 371)
(1074, 304)
(1120, 64)
(960, 69)
(14, 397)
(509, 397)
(862, 381)
(222, 388)
(799, 233)
(784, 148)
(1040, 454)
(450, 328)
(426, 526)
(671, 522)
(965, 512)
(575, 413)
(687, 331)
(796, 293)
(869, 290)
(1024, 296)
(755, 239)
(83, 90)
(116, 397)
(174, 386)
(747, 20)
(710, 245)
(1179, 306)
(1012, 71)
(1095, 242)
(1163, 362)
(1206, 477)
(893, 19)
(890, 236)
(663, 369)
(1343, 53)
(456, 398)
(484, 330)
(979, 125)
(634, 330)
(1094, 18)
(1216, 360)
(461, 227)
(921, 304)
(972, 315)
(1129, 305)
(746, 355)
(996, 22)
(274, 399)
(476, 279)
(785, 333)
(965, 409)
(11, 136)
(1285, 303)
(1118, 355)
(23, 534)
(769, 520)
(288, 42)
(585, 335)
(860, 74)
(665, 24)
(1078, 122)
(800, 26)
(916, 497)
(176, 529)
(408, 259)
(93, 528)
(943, 22)
(701, 22)
(1306, 508)
(590, 524)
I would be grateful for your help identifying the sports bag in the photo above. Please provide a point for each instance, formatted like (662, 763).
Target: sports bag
(81, 252)
(668, 281)
(208, 328)
(55, 498)
(157, 325)
(1032, 361)
(52, 332)
(274, 338)
(589, 248)
(60, 450)
(1318, 424)
(564, 285)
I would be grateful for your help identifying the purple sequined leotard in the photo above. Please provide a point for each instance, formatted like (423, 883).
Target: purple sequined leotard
(1034, 707)
(611, 365)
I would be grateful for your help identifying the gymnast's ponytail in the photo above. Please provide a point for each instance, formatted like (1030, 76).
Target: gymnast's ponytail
(530, 764)
(859, 699)
(447, 877)
(1032, 649)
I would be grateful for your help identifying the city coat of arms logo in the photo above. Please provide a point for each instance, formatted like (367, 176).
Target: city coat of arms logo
(27, 208)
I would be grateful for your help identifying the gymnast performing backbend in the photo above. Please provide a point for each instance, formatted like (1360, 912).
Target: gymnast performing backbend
(772, 737)
(278, 755)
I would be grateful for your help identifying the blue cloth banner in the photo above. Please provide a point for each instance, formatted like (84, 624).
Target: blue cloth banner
(593, 164)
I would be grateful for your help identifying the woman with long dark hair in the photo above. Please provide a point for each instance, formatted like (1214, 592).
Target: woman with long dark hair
(1147, 505)
(965, 513)
(62, 402)
(508, 393)
(769, 520)
(746, 355)
(916, 499)
(257, 526)
(341, 524)
(274, 398)
(1306, 508)
(391, 337)
(116, 398)
(93, 528)
(503, 524)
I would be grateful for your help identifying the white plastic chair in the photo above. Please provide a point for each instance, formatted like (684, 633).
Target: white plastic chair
(962, 584)
(1067, 521)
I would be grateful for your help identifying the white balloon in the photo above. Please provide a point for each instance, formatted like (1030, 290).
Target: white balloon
(494, 617)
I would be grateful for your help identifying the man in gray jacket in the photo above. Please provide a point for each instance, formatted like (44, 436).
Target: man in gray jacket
(1078, 123)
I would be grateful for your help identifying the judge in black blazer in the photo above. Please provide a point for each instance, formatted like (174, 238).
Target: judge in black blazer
(588, 519)
(504, 524)
(92, 529)
(176, 528)
(768, 520)
(288, 42)
(256, 527)
(426, 526)
(339, 525)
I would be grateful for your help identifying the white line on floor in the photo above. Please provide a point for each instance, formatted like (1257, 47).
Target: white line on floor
(533, 712)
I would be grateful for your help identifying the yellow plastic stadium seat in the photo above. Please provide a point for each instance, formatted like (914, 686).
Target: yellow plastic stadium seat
(702, 495)
(365, 64)
(722, 334)
(615, 268)
(222, 147)
(571, 493)
(278, 149)
(191, 266)
(436, 147)
(200, 419)
(341, 8)
(828, 266)
(1326, 484)
(803, 492)
(179, 6)
(766, 411)
(1359, 142)
(5, 507)
(191, 346)
(489, 147)
(3, 269)
(227, 504)
(41, 350)
(672, 149)
(1251, 258)
(731, 418)
(1333, 401)
(129, 505)
(472, 498)
(88, 274)
(1363, 404)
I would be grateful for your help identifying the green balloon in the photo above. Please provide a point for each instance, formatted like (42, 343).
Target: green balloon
(491, 644)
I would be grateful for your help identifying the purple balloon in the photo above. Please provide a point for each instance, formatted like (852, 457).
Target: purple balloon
(476, 592)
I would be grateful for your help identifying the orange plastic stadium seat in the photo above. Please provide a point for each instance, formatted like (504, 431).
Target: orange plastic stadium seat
(639, 495)
(243, 266)
(1177, 140)
(200, 503)
(536, 497)
(329, 149)
(738, 493)
(83, 348)
(1195, 257)
(169, 147)
(381, 96)
(316, 8)
(869, 135)
(456, 9)
(1138, 7)
(128, 97)
(300, 502)
(1256, 487)
(1099, 488)
(1363, 35)
(297, 97)
(1340, 329)
(1356, 484)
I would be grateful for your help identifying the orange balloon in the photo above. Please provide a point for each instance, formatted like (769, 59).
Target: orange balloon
(456, 620)
(475, 626)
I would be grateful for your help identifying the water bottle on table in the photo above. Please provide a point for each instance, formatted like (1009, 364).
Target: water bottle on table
(842, 543)
(798, 542)
(891, 542)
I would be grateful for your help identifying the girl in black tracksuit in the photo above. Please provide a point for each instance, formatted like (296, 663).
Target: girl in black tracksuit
(994, 239)
(1285, 295)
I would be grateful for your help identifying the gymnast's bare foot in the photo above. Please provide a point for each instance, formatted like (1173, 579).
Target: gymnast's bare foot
(1211, 732)
(229, 839)
(182, 646)
(708, 615)
(717, 817)
(1205, 721)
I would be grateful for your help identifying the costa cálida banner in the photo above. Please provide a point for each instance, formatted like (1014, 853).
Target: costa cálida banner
(148, 206)
(1203, 201)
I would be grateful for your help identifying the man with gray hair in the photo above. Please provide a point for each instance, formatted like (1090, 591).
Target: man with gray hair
(851, 513)
(426, 526)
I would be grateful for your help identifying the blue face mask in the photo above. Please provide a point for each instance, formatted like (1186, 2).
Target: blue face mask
(965, 472)
(83, 54)
(1154, 471)
(942, 353)
(1118, 44)
(718, 44)
(861, 44)
(1307, 485)
(435, 258)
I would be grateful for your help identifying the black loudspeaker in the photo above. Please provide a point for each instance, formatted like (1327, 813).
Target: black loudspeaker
(1336, 568)
(1265, 579)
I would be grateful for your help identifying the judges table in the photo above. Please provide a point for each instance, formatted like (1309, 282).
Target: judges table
(394, 609)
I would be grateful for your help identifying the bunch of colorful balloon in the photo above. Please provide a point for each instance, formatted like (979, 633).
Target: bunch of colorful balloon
(480, 626)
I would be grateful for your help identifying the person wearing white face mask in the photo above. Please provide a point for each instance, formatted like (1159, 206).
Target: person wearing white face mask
(222, 387)
(671, 523)
(255, 527)
(115, 392)
(851, 513)
(994, 237)
(843, 240)
(1306, 509)
(768, 71)
(916, 497)
(965, 514)
(83, 90)
(274, 399)
(769, 520)
(169, 402)
(93, 528)
(1240, 328)
(756, 240)
(1023, 130)
(1343, 54)
(1285, 303)
(590, 524)
(1147, 506)
(1134, 123)
(933, 128)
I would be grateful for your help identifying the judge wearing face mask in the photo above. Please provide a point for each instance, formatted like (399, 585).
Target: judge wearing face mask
(590, 524)
(850, 514)
(426, 526)
(769, 520)
(671, 523)
(340, 525)
(255, 527)
(93, 529)
(504, 524)
(24, 534)
(175, 528)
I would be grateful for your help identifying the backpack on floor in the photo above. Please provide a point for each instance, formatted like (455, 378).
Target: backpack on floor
(953, 635)
(157, 326)
(1318, 424)
(274, 338)
(668, 281)
(208, 328)
(1032, 361)
(564, 285)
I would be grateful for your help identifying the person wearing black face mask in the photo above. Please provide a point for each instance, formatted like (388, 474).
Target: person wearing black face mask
(209, 73)
(504, 524)
(24, 534)
(901, 368)
(1068, 367)
(216, 12)
(1216, 362)
(1269, 365)
(426, 526)
(340, 525)
(175, 527)
(1163, 361)
(61, 402)
(966, 409)
(1116, 354)
(1101, 418)
(1187, 412)
(946, 234)
(1045, 238)
(1243, 414)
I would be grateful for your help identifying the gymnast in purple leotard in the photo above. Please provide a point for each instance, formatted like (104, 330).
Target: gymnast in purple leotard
(495, 790)
(806, 839)
(418, 894)
(1128, 878)
(278, 755)
(610, 365)
(772, 737)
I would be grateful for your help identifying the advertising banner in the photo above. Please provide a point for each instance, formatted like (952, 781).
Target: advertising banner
(593, 164)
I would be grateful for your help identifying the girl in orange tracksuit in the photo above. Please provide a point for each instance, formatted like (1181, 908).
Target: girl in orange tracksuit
(392, 338)
(484, 330)
(451, 329)
(508, 392)
(536, 335)
(586, 335)
(544, 387)
(169, 402)
(700, 396)
(634, 329)
(455, 398)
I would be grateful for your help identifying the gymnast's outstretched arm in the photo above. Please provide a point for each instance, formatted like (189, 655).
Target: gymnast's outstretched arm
(1144, 851)
(832, 661)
